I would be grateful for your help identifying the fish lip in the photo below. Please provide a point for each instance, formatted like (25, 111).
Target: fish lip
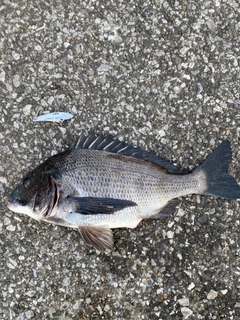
(11, 198)
(12, 201)
(13, 204)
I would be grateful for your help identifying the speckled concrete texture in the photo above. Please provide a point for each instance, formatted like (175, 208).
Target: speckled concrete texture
(163, 75)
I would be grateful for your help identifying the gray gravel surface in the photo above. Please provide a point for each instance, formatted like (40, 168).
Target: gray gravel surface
(163, 75)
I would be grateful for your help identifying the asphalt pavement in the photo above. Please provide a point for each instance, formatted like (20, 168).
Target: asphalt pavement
(162, 75)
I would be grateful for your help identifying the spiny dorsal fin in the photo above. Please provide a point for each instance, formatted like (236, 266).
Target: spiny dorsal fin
(112, 145)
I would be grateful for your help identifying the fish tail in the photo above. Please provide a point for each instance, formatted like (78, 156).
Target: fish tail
(219, 182)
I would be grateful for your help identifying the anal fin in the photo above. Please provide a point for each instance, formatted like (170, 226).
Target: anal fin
(100, 238)
(167, 210)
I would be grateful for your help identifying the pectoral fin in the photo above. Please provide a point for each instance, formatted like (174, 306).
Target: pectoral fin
(100, 238)
(91, 205)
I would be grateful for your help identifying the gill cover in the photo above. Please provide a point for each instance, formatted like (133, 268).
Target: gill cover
(47, 196)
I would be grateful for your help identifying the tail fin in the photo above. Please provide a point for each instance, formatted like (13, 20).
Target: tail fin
(219, 182)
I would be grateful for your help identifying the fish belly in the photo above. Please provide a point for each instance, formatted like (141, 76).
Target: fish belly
(126, 218)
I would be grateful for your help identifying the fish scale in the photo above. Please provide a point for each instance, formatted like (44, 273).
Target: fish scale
(127, 181)
(139, 182)
(101, 183)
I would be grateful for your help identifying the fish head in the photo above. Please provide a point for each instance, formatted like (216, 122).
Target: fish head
(37, 194)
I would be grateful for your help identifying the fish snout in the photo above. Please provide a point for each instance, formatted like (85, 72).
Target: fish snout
(12, 200)
(16, 204)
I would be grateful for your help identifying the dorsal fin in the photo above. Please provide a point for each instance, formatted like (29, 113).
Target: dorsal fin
(110, 144)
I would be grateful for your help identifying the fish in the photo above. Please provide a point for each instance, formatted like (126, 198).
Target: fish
(100, 183)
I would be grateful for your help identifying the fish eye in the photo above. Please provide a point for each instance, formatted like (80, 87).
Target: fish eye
(26, 182)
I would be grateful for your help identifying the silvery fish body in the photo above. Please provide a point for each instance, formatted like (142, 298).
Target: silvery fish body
(101, 183)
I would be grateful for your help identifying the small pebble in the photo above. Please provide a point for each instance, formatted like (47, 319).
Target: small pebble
(161, 133)
(29, 314)
(186, 312)
(103, 68)
(211, 25)
(30, 293)
(212, 295)
(27, 109)
(11, 228)
(16, 80)
(184, 302)
(191, 286)
(2, 76)
(170, 234)
(7, 221)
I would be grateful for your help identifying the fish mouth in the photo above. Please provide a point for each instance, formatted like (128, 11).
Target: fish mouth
(19, 206)
(12, 199)
(13, 202)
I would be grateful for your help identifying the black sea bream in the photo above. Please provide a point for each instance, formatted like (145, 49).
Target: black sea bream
(102, 183)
